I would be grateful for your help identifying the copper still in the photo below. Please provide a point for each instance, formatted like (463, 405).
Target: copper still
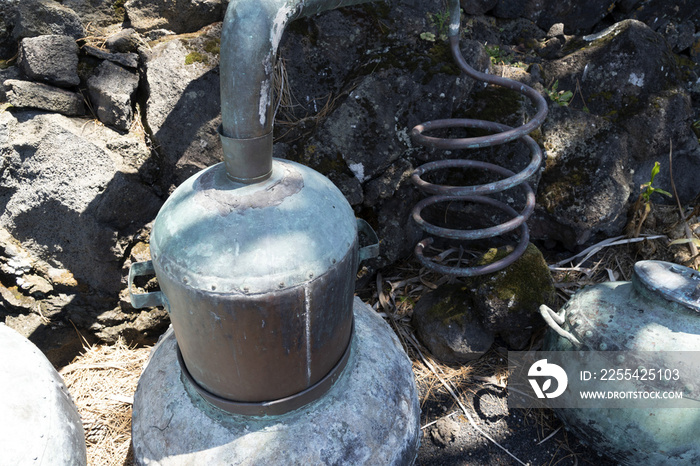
(256, 258)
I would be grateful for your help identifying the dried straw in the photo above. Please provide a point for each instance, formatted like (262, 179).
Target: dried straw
(102, 381)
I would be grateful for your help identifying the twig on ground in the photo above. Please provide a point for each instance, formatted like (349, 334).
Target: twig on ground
(493, 380)
(622, 271)
(688, 234)
(436, 420)
(615, 241)
(80, 335)
(549, 436)
(389, 308)
(583, 270)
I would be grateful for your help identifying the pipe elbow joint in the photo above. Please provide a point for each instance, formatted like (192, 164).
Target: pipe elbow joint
(250, 35)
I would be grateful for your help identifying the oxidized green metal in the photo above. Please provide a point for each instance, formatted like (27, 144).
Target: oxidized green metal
(259, 281)
(658, 311)
(256, 258)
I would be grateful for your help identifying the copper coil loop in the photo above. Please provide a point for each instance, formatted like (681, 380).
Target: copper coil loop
(478, 194)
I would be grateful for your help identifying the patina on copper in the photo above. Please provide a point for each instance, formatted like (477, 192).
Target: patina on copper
(650, 319)
(258, 280)
(256, 258)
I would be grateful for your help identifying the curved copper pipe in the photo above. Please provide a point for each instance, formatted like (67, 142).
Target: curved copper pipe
(250, 36)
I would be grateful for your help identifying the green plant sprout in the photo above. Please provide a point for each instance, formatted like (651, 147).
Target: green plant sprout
(696, 129)
(407, 299)
(468, 24)
(562, 98)
(643, 204)
(498, 56)
(648, 189)
(441, 21)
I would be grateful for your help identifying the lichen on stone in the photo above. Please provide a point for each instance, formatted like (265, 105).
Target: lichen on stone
(524, 282)
(196, 57)
(119, 11)
(453, 306)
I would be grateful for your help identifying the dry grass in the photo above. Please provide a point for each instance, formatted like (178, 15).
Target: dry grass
(102, 381)
(290, 114)
(394, 298)
(95, 37)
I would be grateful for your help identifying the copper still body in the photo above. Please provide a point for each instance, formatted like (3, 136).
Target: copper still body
(256, 258)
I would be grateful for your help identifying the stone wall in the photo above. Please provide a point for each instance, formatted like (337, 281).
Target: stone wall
(108, 105)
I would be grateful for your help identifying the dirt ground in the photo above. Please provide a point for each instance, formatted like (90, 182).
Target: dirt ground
(515, 437)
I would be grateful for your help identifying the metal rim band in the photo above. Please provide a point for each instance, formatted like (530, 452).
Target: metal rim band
(273, 407)
(247, 160)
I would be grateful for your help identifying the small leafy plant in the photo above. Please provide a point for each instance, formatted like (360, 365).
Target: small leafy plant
(498, 56)
(441, 22)
(562, 98)
(643, 205)
(648, 189)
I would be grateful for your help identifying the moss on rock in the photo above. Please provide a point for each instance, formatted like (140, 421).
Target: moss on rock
(448, 325)
(509, 299)
(213, 46)
(526, 283)
(196, 57)
(453, 306)
(119, 11)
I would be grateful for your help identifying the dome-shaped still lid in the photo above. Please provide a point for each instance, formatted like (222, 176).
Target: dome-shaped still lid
(670, 281)
(217, 235)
